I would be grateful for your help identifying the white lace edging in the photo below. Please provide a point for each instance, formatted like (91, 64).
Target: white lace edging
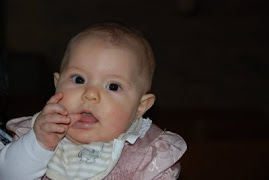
(145, 127)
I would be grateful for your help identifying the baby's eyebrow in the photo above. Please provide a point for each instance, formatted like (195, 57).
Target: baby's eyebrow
(73, 68)
(119, 77)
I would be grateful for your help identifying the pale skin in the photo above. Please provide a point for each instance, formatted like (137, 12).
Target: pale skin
(94, 104)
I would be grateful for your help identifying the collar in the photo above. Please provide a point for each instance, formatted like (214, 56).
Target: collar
(137, 130)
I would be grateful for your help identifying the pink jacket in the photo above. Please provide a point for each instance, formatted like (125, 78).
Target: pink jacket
(155, 156)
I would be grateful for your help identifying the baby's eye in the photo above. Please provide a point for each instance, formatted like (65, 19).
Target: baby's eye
(77, 79)
(113, 87)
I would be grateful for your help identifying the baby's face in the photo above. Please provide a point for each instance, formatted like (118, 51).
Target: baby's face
(100, 82)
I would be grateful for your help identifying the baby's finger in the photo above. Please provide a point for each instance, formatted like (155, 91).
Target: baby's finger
(55, 98)
(54, 128)
(74, 118)
(54, 108)
(58, 119)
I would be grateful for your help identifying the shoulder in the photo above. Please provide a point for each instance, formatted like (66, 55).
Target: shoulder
(161, 140)
(152, 155)
(19, 126)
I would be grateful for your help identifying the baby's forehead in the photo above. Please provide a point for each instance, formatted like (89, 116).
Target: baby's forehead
(96, 46)
(125, 45)
(125, 42)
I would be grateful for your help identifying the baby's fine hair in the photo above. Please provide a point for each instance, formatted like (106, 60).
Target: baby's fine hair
(118, 35)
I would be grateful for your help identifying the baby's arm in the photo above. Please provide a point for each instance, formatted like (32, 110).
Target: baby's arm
(52, 123)
(27, 157)
(24, 159)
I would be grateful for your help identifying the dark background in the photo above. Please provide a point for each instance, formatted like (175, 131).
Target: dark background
(211, 79)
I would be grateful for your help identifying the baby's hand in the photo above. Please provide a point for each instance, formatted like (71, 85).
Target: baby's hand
(52, 123)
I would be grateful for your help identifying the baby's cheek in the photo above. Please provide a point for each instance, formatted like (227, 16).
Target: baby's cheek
(122, 119)
(65, 103)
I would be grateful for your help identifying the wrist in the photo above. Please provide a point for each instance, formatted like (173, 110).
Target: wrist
(49, 148)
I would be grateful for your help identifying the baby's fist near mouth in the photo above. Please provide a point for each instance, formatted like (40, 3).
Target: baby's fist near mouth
(52, 124)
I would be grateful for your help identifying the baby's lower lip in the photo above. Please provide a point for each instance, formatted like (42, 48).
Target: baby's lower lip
(87, 120)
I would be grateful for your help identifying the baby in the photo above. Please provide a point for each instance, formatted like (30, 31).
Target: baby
(92, 128)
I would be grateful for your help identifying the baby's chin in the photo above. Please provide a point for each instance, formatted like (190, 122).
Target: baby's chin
(78, 141)
(85, 139)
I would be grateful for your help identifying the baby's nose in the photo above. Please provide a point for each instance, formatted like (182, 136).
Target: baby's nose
(91, 94)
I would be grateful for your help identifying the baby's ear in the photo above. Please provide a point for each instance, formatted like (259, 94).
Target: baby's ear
(56, 78)
(146, 103)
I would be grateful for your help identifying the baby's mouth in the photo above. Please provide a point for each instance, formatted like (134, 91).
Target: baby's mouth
(87, 120)
(87, 117)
